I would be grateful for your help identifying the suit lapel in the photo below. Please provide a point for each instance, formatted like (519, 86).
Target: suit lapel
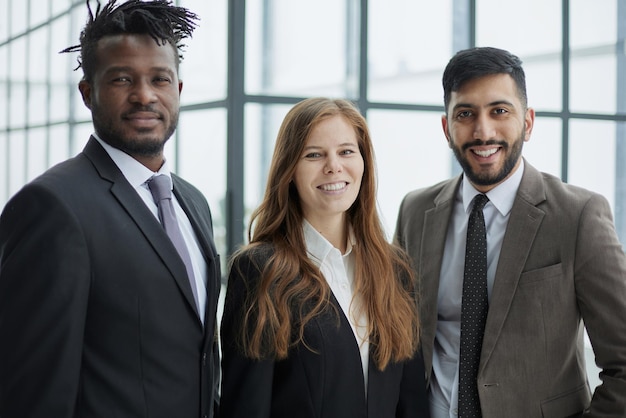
(524, 222)
(132, 204)
(433, 240)
(202, 227)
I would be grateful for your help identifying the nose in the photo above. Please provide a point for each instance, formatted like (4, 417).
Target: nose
(333, 165)
(142, 93)
(485, 128)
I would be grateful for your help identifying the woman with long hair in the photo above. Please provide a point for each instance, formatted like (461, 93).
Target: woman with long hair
(321, 317)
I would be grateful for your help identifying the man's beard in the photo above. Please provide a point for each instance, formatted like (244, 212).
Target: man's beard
(486, 179)
(133, 146)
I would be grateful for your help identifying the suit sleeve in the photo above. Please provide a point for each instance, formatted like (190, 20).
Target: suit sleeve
(246, 383)
(600, 274)
(398, 236)
(44, 286)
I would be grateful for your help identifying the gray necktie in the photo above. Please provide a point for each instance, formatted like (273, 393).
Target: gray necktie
(474, 308)
(161, 188)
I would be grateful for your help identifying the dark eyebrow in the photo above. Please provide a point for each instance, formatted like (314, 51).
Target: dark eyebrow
(492, 104)
(127, 69)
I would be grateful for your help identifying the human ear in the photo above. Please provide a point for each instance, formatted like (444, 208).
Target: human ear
(446, 129)
(85, 91)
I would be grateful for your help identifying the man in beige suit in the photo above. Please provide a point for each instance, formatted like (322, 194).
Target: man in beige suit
(553, 263)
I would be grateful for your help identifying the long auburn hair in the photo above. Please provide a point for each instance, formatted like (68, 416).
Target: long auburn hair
(291, 290)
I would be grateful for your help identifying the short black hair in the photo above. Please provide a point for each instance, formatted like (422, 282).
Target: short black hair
(164, 22)
(473, 63)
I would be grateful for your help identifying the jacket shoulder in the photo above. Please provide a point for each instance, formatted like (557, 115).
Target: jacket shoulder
(430, 195)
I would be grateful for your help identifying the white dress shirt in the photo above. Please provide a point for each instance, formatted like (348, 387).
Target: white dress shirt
(445, 375)
(338, 270)
(137, 175)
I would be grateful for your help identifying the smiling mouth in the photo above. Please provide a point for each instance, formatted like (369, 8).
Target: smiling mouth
(485, 153)
(333, 187)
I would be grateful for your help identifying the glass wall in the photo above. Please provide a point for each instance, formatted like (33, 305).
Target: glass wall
(250, 60)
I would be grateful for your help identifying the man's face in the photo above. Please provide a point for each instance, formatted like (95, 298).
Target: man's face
(486, 126)
(134, 94)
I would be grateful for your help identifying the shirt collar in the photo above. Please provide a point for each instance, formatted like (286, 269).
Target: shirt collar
(319, 247)
(135, 172)
(502, 196)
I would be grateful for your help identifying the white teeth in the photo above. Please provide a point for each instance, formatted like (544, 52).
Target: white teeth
(333, 187)
(486, 153)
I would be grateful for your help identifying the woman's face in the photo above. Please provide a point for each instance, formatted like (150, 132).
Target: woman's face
(329, 172)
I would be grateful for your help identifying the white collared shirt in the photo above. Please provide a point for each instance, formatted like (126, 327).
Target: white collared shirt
(445, 375)
(338, 270)
(137, 175)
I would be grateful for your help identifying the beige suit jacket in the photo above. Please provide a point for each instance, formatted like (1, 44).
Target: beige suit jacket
(561, 264)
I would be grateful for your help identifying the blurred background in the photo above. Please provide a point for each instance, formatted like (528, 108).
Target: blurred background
(249, 61)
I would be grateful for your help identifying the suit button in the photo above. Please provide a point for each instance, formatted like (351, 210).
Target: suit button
(204, 361)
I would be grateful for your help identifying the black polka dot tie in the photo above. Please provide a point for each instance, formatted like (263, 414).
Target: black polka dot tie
(474, 307)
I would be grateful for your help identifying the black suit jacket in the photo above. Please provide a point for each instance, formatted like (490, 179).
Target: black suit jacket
(323, 379)
(97, 318)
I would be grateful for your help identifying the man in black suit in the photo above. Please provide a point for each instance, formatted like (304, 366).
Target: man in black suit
(97, 313)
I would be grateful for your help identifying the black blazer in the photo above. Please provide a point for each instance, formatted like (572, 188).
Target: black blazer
(323, 380)
(97, 317)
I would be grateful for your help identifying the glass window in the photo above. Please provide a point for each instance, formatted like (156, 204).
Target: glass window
(261, 128)
(17, 109)
(532, 30)
(81, 134)
(544, 86)
(36, 149)
(593, 48)
(524, 28)
(18, 13)
(5, 169)
(4, 86)
(408, 50)
(411, 152)
(4, 19)
(590, 92)
(201, 160)
(593, 167)
(59, 99)
(58, 146)
(16, 160)
(59, 6)
(296, 48)
(204, 67)
(543, 150)
(61, 64)
(38, 53)
(37, 104)
(38, 11)
(592, 23)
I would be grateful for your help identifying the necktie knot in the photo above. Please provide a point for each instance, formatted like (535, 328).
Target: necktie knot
(161, 187)
(479, 202)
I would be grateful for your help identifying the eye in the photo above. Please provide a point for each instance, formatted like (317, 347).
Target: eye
(162, 80)
(347, 152)
(312, 155)
(464, 114)
(121, 80)
(500, 111)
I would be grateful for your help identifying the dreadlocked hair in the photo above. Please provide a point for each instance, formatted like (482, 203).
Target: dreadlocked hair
(161, 20)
